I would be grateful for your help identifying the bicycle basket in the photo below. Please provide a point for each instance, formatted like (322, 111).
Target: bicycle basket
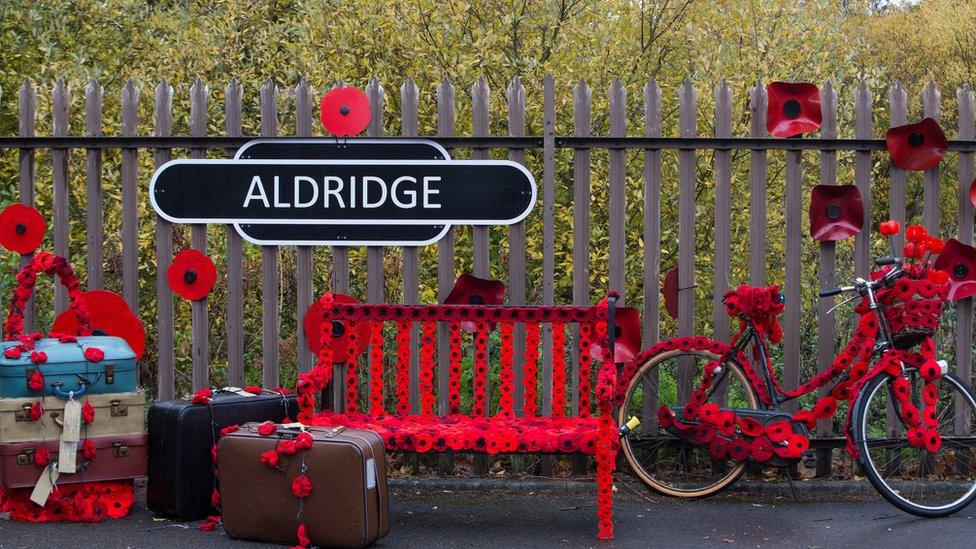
(913, 307)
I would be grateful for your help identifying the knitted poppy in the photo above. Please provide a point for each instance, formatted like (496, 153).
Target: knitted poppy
(669, 290)
(916, 437)
(959, 262)
(286, 448)
(301, 486)
(709, 412)
(88, 450)
(719, 448)
(87, 412)
(36, 411)
(793, 108)
(704, 433)
(345, 111)
(191, 275)
(761, 449)
(739, 449)
(21, 228)
(253, 389)
(889, 228)
(779, 431)
(110, 315)
(836, 212)
(12, 353)
(94, 354)
(38, 357)
(215, 498)
(423, 442)
(749, 427)
(825, 407)
(471, 290)
(344, 346)
(930, 394)
(627, 336)
(303, 539)
(36, 381)
(665, 417)
(270, 458)
(303, 441)
(202, 396)
(806, 417)
(930, 371)
(917, 147)
(42, 457)
(933, 440)
(267, 429)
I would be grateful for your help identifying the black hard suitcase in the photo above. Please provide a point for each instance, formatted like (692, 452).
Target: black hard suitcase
(181, 435)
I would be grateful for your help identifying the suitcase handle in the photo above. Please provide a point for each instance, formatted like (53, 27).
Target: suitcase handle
(65, 395)
(58, 267)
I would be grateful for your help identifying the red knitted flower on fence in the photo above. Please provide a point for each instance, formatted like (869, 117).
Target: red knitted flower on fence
(959, 262)
(345, 111)
(917, 147)
(793, 108)
(836, 212)
(471, 290)
(191, 275)
(110, 315)
(348, 340)
(669, 289)
(627, 337)
(21, 228)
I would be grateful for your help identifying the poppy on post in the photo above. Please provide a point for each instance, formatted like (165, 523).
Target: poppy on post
(836, 212)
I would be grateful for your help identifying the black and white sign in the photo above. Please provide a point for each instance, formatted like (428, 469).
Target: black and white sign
(342, 235)
(343, 192)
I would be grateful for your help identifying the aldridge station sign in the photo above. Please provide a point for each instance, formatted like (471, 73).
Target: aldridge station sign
(342, 193)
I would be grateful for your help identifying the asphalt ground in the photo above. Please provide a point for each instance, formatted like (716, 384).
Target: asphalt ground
(524, 514)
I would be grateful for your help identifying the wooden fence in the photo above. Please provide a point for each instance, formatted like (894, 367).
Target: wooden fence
(689, 147)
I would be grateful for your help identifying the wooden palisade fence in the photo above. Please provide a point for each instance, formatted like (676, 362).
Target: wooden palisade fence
(620, 141)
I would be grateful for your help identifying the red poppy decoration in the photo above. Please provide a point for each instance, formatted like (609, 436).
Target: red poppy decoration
(836, 212)
(471, 290)
(793, 108)
(21, 228)
(110, 315)
(627, 336)
(345, 111)
(344, 346)
(669, 288)
(917, 147)
(191, 275)
(959, 261)
(972, 192)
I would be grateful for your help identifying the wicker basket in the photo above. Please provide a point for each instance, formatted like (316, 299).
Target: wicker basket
(913, 308)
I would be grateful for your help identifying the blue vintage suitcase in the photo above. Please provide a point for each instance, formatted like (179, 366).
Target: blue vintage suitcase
(67, 370)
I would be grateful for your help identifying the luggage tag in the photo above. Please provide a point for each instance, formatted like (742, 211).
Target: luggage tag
(72, 421)
(45, 485)
(67, 456)
(238, 391)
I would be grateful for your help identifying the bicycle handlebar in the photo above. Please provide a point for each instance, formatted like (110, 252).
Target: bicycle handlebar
(860, 285)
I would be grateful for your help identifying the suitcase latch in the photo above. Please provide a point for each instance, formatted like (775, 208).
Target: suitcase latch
(23, 414)
(118, 409)
(26, 458)
(121, 451)
(109, 374)
(335, 431)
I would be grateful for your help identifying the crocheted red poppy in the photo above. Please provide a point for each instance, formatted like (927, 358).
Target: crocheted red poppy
(21, 228)
(627, 337)
(191, 275)
(959, 262)
(917, 147)
(471, 290)
(345, 345)
(761, 449)
(836, 212)
(110, 315)
(793, 108)
(345, 111)
(669, 290)
(739, 449)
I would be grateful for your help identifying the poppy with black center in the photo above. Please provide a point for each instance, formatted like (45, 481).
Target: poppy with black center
(191, 275)
(21, 228)
(471, 290)
(836, 212)
(345, 111)
(959, 261)
(793, 108)
(917, 147)
(110, 316)
(626, 340)
(344, 347)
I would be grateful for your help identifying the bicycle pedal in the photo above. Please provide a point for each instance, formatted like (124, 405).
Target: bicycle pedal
(809, 460)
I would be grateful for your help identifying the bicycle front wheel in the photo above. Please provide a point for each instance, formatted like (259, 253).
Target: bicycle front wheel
(923, 483)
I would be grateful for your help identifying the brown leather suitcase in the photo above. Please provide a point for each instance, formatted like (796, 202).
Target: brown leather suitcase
(116, 458)
(348, 505)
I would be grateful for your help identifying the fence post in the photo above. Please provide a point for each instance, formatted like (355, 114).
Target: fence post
(94, 94)
(199, 99)
(721, 322)
(235, 254)
(617, 193)
(652, 245)
(964, 308)
(757, 188)
(166, 363)
(687, 100)
(25, 126)
(898, 180)
(375, 290)
(409, 105)
(793, 288)
(304, 256)
(269, 256)
(130, 198)
(445, 272)
(516, 233)
(62, 225)
(862, 178)
(931, 101)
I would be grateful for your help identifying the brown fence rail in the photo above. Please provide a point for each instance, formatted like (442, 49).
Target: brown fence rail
(712, 192)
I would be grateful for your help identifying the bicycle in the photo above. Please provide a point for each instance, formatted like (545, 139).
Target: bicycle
(705, 411)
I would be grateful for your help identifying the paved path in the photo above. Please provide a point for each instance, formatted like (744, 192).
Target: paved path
(437, 517)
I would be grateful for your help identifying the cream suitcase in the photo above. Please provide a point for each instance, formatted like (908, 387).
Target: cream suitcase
(115, 414)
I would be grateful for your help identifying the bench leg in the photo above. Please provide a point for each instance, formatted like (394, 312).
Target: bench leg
(606, 454)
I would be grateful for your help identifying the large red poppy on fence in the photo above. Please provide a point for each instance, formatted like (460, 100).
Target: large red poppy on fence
(669, 289)
(345, 111)
(972, 192)
(627, 336)
(110, 315)
(793, 108)
(959, 262)
(471, 290)
(191, 275)
(21, 228)
(344, 347)
(836, 212)
(917, 147)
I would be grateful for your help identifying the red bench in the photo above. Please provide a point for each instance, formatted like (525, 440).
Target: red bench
(481, 430)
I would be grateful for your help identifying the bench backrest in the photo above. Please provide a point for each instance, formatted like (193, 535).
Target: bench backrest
(455, 329)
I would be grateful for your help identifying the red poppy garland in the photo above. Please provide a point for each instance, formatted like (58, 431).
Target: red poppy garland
(836, 212)
(793, 108)
(82, 502)
(191, 275)
(917, 147)
(21, 228)
(345, 111)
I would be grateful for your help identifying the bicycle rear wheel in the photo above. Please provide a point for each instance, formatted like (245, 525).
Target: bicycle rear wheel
(662, 460)
(923, 483)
